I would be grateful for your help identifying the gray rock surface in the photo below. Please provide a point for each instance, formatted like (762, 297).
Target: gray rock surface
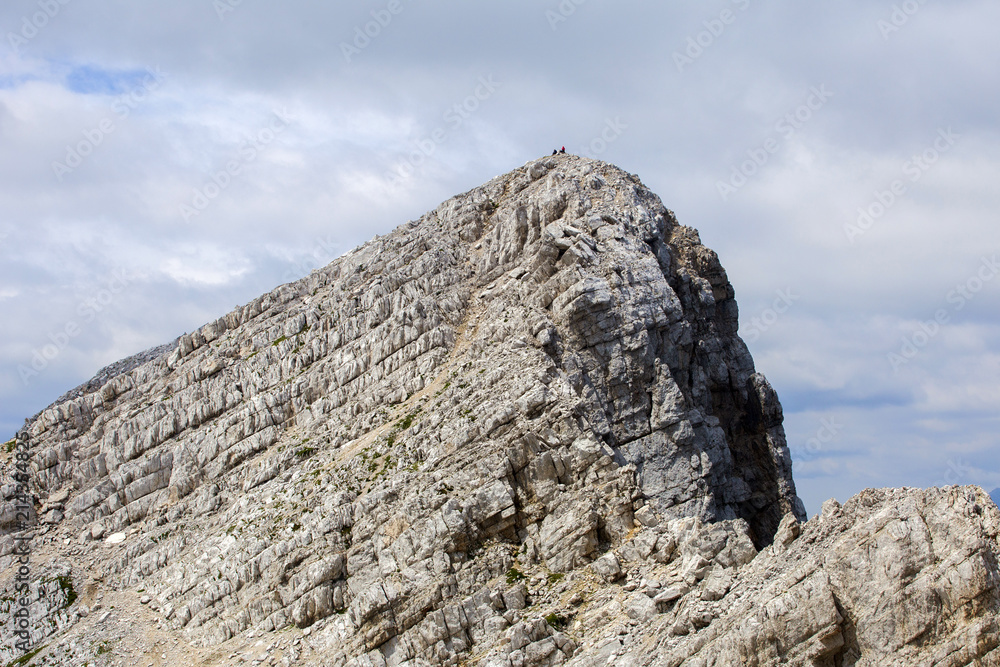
(894, 577)
(521, 430)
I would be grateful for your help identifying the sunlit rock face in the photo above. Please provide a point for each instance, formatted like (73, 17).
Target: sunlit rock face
(521, 430)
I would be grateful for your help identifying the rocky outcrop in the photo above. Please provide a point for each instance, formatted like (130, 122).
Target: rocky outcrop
(492, 436)
(892, 577)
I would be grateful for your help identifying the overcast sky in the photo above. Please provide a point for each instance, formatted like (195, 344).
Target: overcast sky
(163, 161)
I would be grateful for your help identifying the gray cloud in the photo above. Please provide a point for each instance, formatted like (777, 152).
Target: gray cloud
(410, 100)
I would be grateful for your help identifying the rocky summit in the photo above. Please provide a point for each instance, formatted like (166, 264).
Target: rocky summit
(519, 431)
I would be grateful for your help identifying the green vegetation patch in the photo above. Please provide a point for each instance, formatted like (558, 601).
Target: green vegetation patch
(557, 621)
(514, 575)
(407, 421)
(26, 658)
(66, 584)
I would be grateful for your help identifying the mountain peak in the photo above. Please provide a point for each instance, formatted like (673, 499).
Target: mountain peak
(527, 406)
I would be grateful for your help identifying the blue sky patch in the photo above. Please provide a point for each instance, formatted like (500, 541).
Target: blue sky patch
(11, 81)
(804, 400)
(89, 80)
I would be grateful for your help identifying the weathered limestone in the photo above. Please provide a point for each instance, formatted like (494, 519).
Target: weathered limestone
(520, 430)
(894, 577)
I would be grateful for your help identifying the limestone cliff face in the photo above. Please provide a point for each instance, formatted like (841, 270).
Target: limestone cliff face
(471, 440)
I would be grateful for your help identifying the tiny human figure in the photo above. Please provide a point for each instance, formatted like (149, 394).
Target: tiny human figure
(563, 150)
(554, 151)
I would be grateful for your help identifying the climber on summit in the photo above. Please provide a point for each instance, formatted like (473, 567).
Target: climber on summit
(563, 151)
(554, 151)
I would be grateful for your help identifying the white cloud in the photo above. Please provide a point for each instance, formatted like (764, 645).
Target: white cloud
(320, 187)
(205, 267)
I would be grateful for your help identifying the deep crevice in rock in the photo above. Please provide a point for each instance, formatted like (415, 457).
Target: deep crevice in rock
(850, 653)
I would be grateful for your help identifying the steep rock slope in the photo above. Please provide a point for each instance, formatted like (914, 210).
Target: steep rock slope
(450, 444)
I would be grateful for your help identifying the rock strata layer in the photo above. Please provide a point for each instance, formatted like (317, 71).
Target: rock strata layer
(521, 430)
